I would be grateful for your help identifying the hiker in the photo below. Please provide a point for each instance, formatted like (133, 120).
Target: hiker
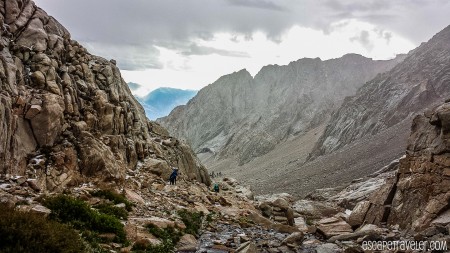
(173, 176)
(216, 187)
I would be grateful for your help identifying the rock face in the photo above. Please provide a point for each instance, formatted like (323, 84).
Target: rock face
(244, 117)
(66, 114)
(420, 192)
(420, 81)
(277, 207)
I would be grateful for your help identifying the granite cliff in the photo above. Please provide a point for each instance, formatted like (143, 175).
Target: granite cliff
(67, 116)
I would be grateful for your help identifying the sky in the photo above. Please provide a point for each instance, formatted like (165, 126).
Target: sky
(189, 44)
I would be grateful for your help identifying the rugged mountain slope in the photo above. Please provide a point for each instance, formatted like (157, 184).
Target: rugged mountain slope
(369, 130)
(244, 117)
(160, 102)
(66, 115)
(419, 194)
(421, 80)
(286, 169)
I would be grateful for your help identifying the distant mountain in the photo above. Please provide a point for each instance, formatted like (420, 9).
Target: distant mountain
(133, 86)
(243, 117)
(420, 81)
(162, 101)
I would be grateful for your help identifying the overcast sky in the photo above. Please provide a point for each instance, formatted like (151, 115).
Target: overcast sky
(191, 43)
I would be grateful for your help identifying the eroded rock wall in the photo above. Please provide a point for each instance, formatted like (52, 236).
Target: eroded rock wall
(420, 191)
(66, 115)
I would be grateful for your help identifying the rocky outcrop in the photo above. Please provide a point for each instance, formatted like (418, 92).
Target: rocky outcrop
(67, 115)
(242, 117)
(278, 207)
(420, 192)
(417, 83)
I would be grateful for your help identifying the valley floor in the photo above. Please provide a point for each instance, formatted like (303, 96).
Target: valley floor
(285, 169)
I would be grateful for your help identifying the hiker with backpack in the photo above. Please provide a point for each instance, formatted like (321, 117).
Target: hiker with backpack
(173, 176)
(216, 187)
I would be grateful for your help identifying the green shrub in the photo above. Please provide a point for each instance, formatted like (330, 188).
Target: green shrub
(193, 221)
(28, 232)
(166, 234)
(78, 213)
(209, 217)
(110, 209)
(162, 248)
(114, 197)
(169, 237)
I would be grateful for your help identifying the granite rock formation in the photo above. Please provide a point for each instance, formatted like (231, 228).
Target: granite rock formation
(244, 117)
(67, 115)
(419, 194)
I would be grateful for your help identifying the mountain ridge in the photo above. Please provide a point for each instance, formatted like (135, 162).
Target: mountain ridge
(419, 82)
(161, 101)
(247, 116)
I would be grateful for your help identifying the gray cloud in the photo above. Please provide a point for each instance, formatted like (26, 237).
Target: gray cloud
(417, 20)
(387, 36)
(263, 4)
(364, 39)
(195, 49)
(137, 26)
(353, 6)
(134, 86)
(129, 56)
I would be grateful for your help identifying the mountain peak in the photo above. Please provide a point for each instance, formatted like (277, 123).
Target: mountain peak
(243, 71)
(241, 74)
(289, 94)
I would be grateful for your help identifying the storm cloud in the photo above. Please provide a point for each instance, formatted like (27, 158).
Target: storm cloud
(132, 31)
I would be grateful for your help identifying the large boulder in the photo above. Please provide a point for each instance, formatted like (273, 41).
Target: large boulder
(157, 167)
(333, 226)
(248, 247)
(315, 209)
(358, 214)
(187, 243)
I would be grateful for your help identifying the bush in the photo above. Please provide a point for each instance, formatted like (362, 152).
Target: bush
(169, 237)
(209, 217)
(114, 197)
(28, 232)
(78, 213)
(193, 221)
(115, 211)
(166, 234)
(162, 248)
